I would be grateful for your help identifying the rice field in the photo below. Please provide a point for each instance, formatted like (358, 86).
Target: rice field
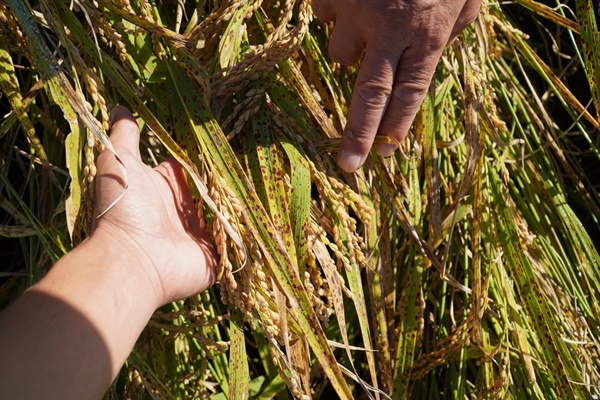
(465, 266)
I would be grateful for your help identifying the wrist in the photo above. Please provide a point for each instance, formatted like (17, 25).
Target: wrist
(108, 282)
(127, 263)
(107, 270)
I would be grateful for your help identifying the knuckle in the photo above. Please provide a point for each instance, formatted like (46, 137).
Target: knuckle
(374, 94)
(410, 95)
(434, 38)
(431, 29)
(360, 138)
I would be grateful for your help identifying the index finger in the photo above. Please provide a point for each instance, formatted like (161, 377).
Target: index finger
(369, 101)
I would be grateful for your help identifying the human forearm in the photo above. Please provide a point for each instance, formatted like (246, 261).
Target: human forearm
(68, 336)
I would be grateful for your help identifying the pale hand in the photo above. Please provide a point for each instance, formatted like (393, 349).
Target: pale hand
(68, 335)
(155, 222)
(402, 42)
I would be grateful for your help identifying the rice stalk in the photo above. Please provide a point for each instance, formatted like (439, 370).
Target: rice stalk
(456, 268)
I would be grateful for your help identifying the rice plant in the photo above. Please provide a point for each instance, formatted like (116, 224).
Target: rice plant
(460, 267)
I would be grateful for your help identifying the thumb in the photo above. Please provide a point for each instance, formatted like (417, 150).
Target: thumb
(112, 177)
(125, 133)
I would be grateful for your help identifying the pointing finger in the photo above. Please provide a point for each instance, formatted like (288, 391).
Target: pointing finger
(369, 100)
(411, 83)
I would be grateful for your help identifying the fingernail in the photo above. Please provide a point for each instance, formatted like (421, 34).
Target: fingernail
(349, 162)
(385, 149)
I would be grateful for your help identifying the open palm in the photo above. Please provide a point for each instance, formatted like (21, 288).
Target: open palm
(155, 221)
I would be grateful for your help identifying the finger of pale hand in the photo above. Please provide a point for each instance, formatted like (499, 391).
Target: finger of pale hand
(125, 133)
(369, 100)
(347, 43)
(173, 173)
(324, 10)
(412, 80)
(469, 12)
(125, 138)
(199, 280)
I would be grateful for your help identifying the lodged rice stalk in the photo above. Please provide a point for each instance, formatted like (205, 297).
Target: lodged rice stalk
(457, 268)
